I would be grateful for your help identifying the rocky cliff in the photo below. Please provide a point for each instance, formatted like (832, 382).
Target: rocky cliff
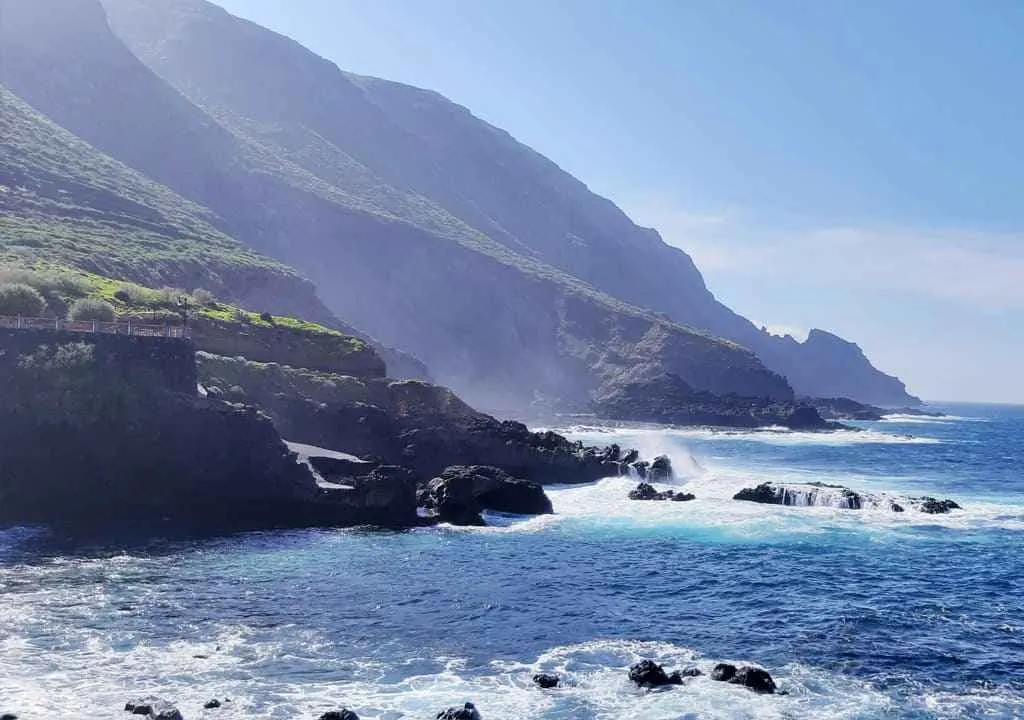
(107, 433)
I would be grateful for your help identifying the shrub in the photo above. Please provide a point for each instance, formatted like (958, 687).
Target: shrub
(21, 299)
(203, 298)
(88, 309)
(267, 317)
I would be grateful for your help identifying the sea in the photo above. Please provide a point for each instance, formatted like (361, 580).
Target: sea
(856, 614)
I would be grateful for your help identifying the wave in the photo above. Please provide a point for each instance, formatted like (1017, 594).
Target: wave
(716, 517)
(99, 677)
(636, 436)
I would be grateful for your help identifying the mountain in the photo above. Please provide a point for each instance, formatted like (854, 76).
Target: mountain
(419, 223)
(64, 202)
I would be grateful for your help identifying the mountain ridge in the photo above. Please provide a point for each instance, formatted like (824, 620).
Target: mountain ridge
(415, 245)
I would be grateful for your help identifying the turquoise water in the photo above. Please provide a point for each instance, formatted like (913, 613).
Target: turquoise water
(864, 614)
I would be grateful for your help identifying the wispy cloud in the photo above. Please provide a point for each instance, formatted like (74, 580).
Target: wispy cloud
(985, 270)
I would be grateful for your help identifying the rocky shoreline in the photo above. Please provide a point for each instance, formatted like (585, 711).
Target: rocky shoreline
(646, 675)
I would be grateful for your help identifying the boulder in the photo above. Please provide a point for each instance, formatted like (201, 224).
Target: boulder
(629, 457)
(723, 672)
(937, 507)
(153, 709)
(212, 704)
(343, 714)
(640, 468)
(661, 469)
(753, 678)
(648, 674)
(756, 679)
(8, 716)
(466, 712)
(763, 493)
(546, 681)
(646, 491)
(460, 493)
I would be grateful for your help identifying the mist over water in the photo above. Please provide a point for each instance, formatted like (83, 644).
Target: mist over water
(857, 614)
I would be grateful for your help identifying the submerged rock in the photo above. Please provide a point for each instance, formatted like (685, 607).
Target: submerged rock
(466, 712)
(649, 674)
(546, 681)
(212, 704)
(343, 714)
(461, 492)
(646, 491)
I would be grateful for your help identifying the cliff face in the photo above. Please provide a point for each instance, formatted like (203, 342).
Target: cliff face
(107, 432)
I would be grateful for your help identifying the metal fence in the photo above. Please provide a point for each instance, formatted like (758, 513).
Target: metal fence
(119, 327)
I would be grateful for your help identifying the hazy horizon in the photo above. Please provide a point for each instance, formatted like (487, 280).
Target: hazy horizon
(848, 168)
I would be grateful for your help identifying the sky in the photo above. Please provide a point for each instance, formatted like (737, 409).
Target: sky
(852, 165)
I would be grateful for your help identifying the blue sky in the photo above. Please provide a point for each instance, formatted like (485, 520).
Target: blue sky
(855, 166)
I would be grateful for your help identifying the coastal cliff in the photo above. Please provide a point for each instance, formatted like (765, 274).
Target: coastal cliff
(108, 432)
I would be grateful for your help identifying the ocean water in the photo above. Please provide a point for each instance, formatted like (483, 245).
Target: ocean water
(857, 614)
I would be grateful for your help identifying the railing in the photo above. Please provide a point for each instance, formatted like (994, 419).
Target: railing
(125, 327)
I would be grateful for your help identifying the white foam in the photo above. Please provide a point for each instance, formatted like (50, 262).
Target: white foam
(97, 679)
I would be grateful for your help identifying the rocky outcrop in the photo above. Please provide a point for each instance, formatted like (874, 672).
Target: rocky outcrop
(153, 709)
(343, 714)
(756, 679)
(91, 437)
(461, 493)
(466, 712)
(413, 424)
(669, 399)
(646, 491)
(837, 496)
(648, 674)
(932, 506)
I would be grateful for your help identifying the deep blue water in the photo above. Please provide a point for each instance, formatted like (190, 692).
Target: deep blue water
(864, 614)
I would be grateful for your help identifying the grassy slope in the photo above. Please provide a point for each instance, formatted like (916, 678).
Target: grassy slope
(64, 201)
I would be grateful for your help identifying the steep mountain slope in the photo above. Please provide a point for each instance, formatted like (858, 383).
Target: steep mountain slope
(371, 137)
(501, 327)
(64, 202)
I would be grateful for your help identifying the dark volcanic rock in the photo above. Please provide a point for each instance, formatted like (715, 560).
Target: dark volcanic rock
(423, 427)
(811, 494)
(756, 679)
(820, 494)
(546, 680)
(84, 426)
(661, 469)
(154, 709)
(649, 674)
(343, 714)
(8, 716)
(466, 712)
(723, 672)
(646, 491)
(460, 493)
(212, 704)
(937, 507)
